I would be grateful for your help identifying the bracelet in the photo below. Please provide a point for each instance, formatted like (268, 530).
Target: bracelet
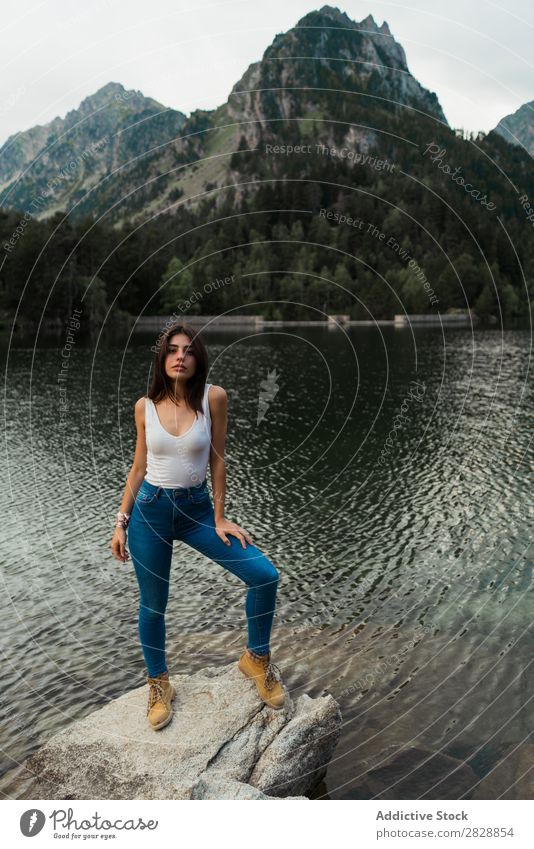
(123, 520)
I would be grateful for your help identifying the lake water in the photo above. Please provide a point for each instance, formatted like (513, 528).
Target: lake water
(406, 573)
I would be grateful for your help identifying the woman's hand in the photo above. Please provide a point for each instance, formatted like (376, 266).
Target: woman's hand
(118, 545)
(225, 526)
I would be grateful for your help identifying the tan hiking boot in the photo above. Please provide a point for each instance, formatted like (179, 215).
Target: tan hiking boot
(160, 696)
(266, 676)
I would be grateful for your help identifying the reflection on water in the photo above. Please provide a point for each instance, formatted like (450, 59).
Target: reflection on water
(406, 586)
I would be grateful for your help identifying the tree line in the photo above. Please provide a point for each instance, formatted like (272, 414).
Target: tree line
(286, 243)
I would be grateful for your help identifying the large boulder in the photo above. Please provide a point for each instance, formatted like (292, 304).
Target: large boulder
(223, 742)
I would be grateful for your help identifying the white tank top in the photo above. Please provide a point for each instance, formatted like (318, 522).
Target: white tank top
(177, 461)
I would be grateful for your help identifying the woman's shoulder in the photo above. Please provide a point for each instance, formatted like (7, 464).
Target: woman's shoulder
(139, 407)
(215, 392)
(216, 398)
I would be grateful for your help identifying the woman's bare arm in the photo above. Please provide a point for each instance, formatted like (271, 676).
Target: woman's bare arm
(218, 403)
(133, 481)
(138, 469)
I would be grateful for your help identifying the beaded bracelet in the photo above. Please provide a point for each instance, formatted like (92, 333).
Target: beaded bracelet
(123, 520)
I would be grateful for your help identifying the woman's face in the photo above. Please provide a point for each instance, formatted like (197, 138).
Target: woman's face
(180, 362)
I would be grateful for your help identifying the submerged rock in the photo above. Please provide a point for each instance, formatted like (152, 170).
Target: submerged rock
(415, 773)
(512, 777)
(223, 742)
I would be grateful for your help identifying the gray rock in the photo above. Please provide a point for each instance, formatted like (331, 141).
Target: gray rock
(222, 741)
(304, 746)
(220, 787)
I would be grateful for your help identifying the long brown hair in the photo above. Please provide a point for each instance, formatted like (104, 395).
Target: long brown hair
(161, 385)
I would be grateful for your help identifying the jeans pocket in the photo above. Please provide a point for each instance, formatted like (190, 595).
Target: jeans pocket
(144, 496)
(201, 497)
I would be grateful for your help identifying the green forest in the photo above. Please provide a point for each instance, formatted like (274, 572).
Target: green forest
(289, 259)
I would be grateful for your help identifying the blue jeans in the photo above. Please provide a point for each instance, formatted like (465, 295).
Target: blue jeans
(158, 517)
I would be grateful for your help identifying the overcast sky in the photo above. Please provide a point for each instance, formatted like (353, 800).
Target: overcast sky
(477, 56)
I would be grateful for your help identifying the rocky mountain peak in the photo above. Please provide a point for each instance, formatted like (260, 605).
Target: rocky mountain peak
(114, 95)
(321, 17)
(518, 128)
(327, 51)
(369, 23)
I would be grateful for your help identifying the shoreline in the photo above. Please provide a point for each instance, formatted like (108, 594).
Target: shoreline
(207, 322)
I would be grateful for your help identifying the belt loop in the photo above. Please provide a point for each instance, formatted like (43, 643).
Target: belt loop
(158, 491)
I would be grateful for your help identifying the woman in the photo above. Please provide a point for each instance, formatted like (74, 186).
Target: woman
(181, 425)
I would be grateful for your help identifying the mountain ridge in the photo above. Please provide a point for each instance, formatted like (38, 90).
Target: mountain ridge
(518, 127)
(107, 129)
(156, 162)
